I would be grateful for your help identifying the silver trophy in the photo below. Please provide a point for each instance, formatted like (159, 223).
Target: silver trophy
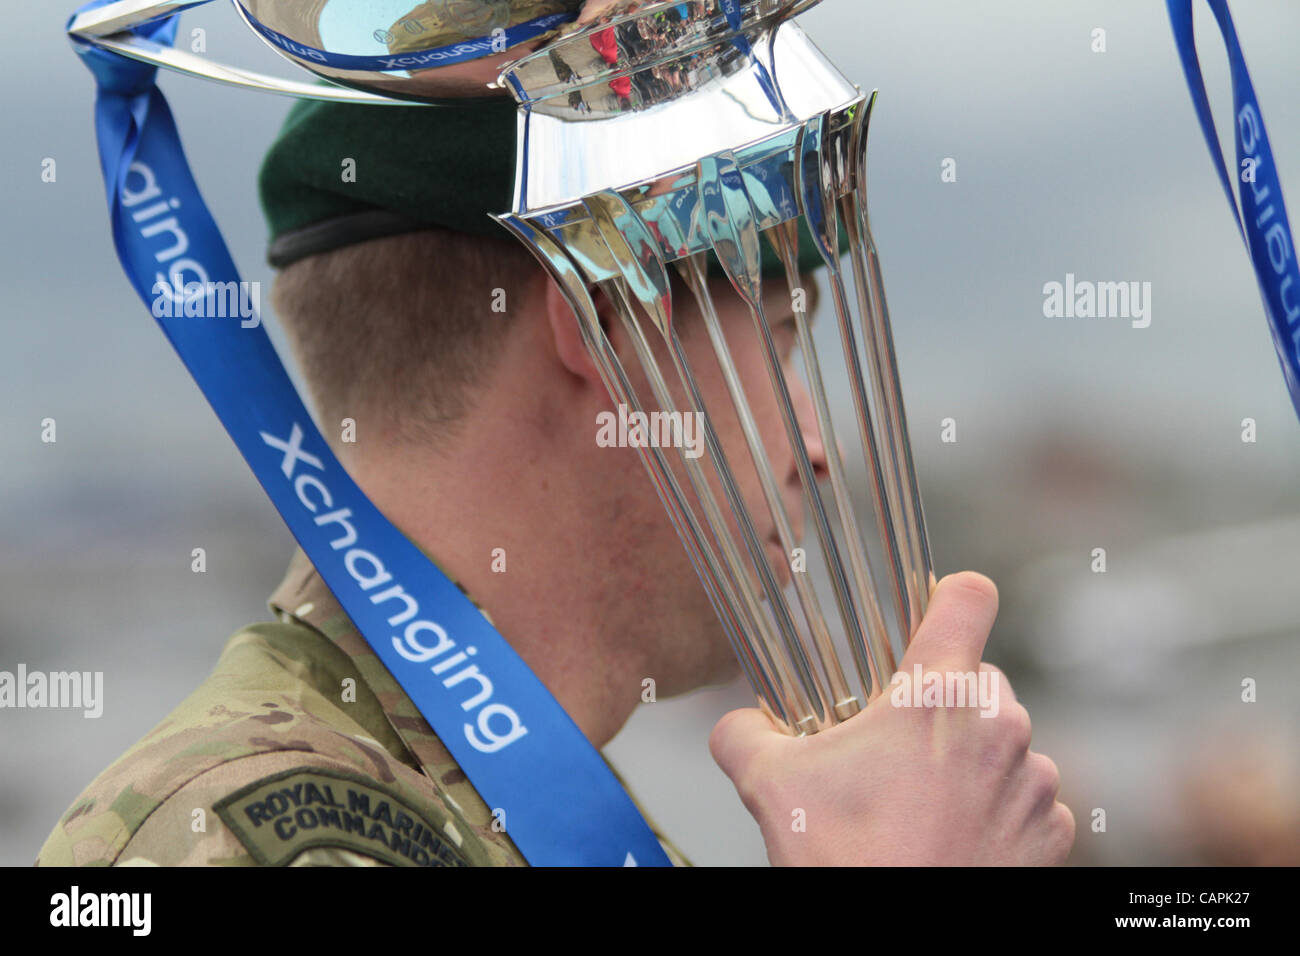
(654, 138)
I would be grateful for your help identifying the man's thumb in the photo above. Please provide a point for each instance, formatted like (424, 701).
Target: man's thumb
(738, 737)
(956, 626)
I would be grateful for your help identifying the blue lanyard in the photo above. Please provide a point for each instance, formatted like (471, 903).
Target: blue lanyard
(520, 750)
(1262, 220)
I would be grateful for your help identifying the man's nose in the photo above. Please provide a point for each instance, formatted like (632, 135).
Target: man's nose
(806, 414)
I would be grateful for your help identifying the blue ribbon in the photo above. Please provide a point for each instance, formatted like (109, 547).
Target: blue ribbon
(735, 19)
(520, 750)
(1262, 220)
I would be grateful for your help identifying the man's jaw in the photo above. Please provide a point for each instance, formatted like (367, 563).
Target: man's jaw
(779, 559)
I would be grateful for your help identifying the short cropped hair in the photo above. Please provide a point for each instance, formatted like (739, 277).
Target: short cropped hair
(396, 332)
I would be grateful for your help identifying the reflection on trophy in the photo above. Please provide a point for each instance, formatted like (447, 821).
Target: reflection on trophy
(661, 142)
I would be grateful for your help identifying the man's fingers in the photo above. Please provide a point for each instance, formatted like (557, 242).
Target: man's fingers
(956, 625)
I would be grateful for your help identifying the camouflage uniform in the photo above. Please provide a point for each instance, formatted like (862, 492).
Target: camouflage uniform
(300, 749)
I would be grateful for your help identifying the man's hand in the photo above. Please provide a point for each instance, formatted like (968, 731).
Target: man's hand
(906, 785)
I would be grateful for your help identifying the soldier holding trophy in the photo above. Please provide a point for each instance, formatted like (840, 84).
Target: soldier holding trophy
(496, 222)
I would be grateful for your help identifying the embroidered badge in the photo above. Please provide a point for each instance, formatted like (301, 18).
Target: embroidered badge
(278, 817)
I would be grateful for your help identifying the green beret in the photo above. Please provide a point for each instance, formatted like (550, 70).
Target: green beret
(414, 167)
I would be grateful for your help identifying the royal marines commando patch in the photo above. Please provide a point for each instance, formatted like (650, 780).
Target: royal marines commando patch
(279, 817)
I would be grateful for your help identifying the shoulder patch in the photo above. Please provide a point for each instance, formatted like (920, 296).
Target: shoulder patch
(278, 817)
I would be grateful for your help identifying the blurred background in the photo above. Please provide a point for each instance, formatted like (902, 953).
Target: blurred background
(1072, 434)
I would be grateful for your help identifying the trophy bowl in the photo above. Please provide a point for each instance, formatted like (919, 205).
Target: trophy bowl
(423, 51)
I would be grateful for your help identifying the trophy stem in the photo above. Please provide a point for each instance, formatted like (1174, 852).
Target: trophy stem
(727, 216)
(720, 590)
(843, 703)
(878, 334)
(803, 696)
(895, 556)
(632, 246)
(818, 209)
(786, 237)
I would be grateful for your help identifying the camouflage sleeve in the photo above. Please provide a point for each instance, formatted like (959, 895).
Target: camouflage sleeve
(280, 808)
(265, 762)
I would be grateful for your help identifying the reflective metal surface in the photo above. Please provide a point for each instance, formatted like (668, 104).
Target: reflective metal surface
(635, 54)
(430, 50)
(108, 27)
(716, 137)
(380, 51)
(657, 131)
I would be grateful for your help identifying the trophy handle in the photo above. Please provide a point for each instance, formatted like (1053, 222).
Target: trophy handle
(107, 27)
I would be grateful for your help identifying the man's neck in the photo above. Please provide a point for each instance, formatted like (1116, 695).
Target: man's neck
(562, 623)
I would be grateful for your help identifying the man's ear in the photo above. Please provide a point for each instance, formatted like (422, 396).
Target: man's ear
(569, 346)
